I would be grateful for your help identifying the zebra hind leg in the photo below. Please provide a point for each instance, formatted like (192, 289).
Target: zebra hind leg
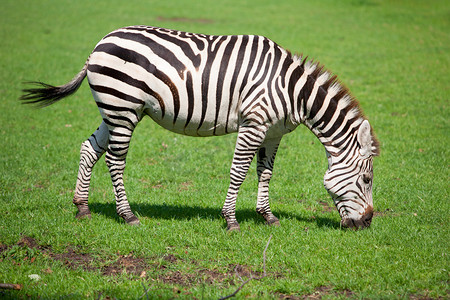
(119, 139)
(91, 150)
(266, 158)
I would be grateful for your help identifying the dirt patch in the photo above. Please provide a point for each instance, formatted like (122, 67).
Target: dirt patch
(319, 293)
(27, 241)
(328, 291)
(74, 259)
(383, 213)
(326, 207)
(163, 269)
(424, 297)
(243, 271)
(287, 297)
(3, 248)
(170, 258)
(232, 275)
(199, 277)
(184, 186)
(24, 242)
(127, 264)
(178, 278)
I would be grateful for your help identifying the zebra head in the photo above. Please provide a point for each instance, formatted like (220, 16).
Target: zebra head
(349, 179)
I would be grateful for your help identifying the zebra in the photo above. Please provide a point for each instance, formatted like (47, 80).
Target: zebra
(212, 85)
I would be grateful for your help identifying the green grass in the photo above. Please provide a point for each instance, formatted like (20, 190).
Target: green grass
(394, 57)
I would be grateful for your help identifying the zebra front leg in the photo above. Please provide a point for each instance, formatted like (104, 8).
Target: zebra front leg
(266, 158)
(248, 141)
(116, 160)
(91, 150)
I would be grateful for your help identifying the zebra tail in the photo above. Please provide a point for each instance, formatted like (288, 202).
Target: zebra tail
(46, 94)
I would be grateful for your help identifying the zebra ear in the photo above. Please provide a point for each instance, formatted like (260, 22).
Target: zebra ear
(365, 138)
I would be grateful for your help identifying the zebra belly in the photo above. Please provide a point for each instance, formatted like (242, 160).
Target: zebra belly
(209, 126)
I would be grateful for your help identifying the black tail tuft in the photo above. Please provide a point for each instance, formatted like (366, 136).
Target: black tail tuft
(42, 96)
(45, 94)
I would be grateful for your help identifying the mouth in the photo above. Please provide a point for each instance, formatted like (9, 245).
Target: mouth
(361, 223)
(356, 224)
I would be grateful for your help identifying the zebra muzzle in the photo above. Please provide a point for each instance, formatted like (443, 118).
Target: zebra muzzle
(363, 222)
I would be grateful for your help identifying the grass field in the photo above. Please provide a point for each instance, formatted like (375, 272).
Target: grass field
(394, 57)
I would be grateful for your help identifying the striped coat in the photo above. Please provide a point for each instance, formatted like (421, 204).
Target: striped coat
(203, 85)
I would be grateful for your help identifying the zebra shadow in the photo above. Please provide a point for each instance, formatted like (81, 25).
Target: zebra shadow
(185, 212)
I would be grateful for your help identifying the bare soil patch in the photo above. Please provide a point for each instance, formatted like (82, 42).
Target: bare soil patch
(383, 213)
(27, 242)
(74, 259)
(320, 293)
(326, 207)
(127, 264)
(137, 267)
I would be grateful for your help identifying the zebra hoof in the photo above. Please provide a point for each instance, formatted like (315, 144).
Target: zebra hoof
(133, 221)
(83, 214)
(273, 222)
(233, 227)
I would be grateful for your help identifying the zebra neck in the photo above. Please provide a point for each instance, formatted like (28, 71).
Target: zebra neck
(326, 107)
(337, 135)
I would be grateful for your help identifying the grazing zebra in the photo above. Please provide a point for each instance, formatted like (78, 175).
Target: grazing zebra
(204, 85)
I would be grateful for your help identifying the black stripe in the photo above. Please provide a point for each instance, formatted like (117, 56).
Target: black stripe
(190, 99)
(185, 47)
(318, 102)
(116, 93)
(338, 122)
(173, 89)
(282, 75)
(328, 114)
(347, 142)
(129, 80)
(113, 133)
(267, 58)
(115, 108)
(221, 78)
(211, 55)
(264, 51)
(137, 58)
(115, 125)
(251, 61)
(237, 68)
(274, 66)
(122, 118)
(306, 91)
(156, 48)
(295, 77)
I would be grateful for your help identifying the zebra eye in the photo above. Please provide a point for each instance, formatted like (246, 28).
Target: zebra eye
(366, 178)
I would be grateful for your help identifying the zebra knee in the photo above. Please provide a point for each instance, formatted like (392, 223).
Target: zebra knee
(86, 148)
(114, 162)
(88, 155)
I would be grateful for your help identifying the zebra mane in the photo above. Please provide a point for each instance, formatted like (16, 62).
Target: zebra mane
(330, 84)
